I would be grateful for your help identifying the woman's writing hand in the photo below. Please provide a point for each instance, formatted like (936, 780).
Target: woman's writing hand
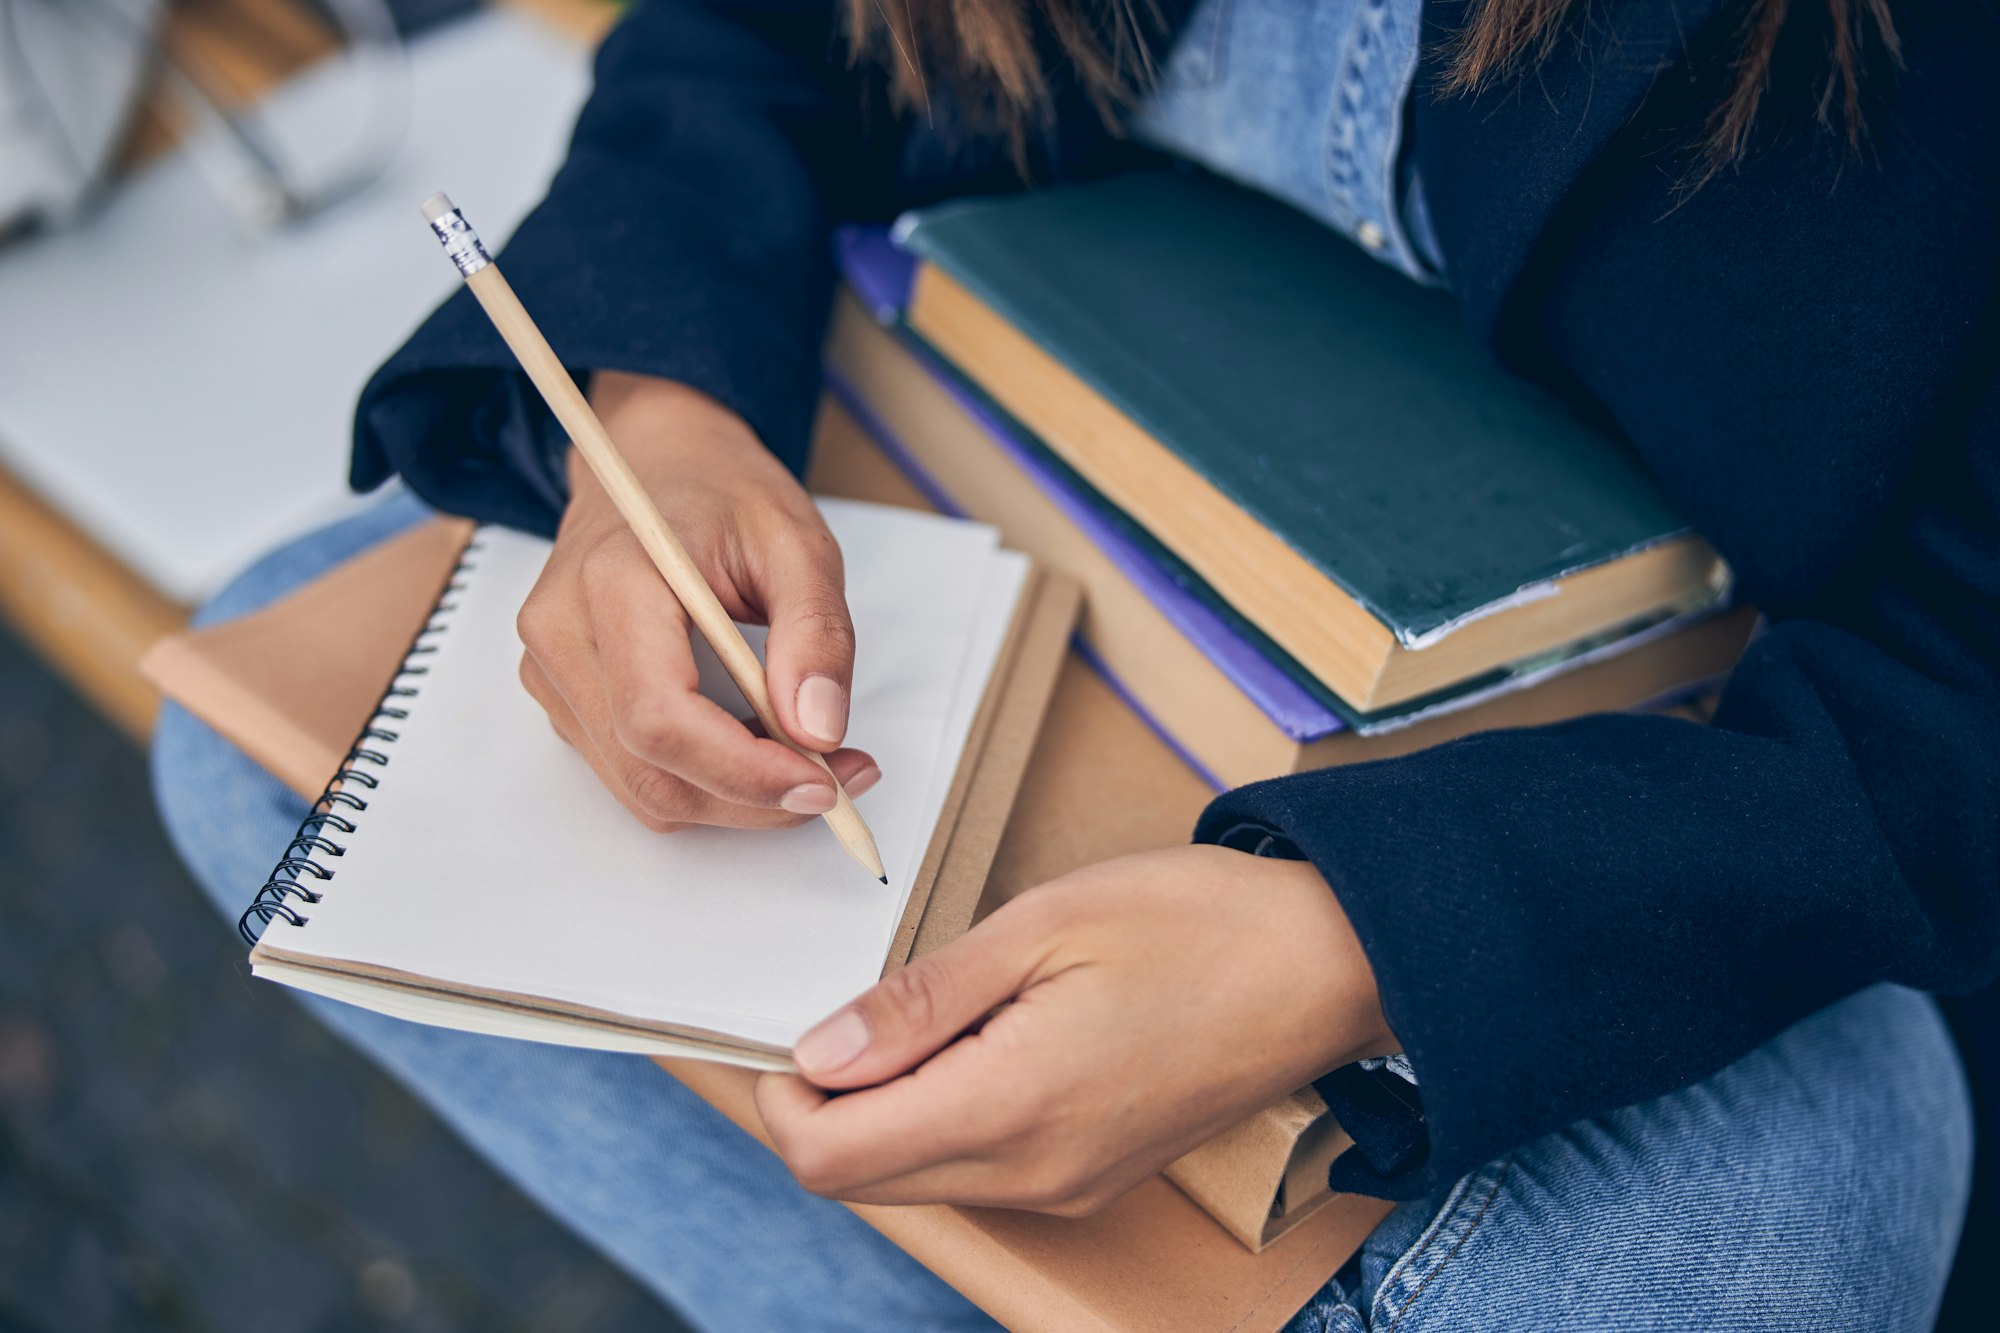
(1143, 1005)
(608, 650)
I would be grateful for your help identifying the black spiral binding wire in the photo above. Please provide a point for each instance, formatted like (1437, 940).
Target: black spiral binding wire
(298, 878)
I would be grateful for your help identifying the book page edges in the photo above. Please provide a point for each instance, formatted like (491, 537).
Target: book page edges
(1038, 645)
(884, 398)
(505, 1014)
(1343, 642)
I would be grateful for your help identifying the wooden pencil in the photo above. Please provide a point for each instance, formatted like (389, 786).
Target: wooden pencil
(587, 433)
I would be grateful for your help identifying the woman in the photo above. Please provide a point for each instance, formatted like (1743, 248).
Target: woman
(1638, 967)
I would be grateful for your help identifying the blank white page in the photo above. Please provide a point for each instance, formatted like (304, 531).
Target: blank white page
(491, 858)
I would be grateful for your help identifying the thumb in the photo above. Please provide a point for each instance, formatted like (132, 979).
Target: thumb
(915, 1011)
(809, 656)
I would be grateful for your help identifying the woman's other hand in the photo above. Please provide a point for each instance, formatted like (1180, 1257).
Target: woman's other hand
(608, 649)
(1082, 1037)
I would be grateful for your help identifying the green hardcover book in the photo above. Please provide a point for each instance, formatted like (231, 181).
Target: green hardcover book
(1316, 437)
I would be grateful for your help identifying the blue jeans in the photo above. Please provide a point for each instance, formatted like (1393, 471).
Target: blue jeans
(1817, 1183)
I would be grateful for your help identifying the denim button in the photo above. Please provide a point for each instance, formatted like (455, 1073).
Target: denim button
(1307, 107)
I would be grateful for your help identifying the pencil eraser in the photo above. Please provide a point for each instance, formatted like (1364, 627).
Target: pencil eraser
(437, 206)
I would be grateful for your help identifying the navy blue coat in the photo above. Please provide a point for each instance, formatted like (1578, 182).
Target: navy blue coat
(1803, 350)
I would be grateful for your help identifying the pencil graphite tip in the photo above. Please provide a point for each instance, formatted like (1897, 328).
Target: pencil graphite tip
(437, 206)
(885, 881)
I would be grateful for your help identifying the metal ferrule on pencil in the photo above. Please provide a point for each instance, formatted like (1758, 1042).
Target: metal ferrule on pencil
(460, 242)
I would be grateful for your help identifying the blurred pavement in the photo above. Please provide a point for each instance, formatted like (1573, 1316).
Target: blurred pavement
(183, 1149)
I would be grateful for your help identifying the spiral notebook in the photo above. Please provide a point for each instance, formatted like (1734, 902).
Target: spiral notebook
(466, 868)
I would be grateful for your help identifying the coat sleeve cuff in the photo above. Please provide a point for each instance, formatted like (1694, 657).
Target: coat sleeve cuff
(1382, 1113)
(453, 414)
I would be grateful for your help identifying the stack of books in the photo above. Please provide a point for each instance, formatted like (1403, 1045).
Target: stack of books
(1313, 523)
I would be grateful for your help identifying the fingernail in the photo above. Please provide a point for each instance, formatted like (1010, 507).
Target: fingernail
(832, 1044)
(863, 780)
(823, 709)
(808, 798)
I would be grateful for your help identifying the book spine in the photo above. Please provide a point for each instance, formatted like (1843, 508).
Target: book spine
(880, 276)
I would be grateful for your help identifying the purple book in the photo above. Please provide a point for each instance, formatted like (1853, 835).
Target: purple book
(880, 274)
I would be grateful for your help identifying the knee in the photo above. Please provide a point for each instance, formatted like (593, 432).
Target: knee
(1818, 1183)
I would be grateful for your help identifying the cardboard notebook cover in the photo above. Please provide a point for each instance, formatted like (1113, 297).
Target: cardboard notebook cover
(1154, 1260)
